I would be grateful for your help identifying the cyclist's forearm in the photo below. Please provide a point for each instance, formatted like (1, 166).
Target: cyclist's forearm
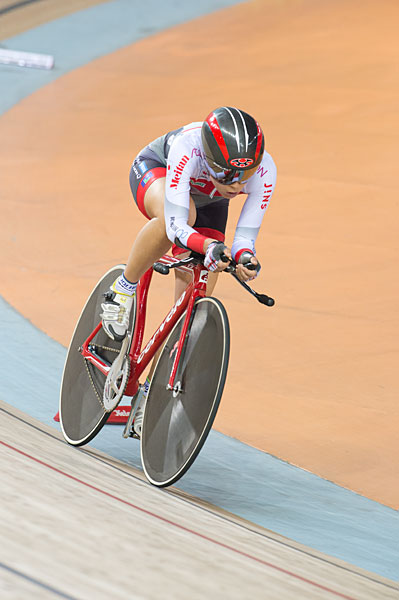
(244, 240)
(179, 231)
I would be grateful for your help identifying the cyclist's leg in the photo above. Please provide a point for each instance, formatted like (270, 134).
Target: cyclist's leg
(183, 279)
(151, 242)
(147, 182)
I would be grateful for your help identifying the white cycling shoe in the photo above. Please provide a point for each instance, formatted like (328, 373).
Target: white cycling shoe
(116, 314)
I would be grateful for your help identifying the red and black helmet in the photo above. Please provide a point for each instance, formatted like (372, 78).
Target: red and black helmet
(232, 140)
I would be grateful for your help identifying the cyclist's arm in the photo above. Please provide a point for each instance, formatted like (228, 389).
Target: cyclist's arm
(259, 189)
(182, 164)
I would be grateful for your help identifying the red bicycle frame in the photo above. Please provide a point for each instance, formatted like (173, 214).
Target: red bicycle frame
(139, 356)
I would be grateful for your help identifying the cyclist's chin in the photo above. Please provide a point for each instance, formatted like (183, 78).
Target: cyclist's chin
(230, 195)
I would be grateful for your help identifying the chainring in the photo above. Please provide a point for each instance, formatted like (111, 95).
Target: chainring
(117, 378)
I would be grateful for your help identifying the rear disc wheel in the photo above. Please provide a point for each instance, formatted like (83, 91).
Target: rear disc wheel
(82, 410)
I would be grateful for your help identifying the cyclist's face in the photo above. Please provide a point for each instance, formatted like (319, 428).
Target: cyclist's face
(229, 190)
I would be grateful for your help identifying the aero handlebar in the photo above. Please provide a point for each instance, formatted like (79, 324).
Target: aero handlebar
(195, 258)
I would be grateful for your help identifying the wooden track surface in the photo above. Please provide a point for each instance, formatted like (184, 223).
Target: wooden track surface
(81, 524)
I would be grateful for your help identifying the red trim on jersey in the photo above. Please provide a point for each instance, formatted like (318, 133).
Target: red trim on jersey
(217, 134)
(154, 174)
(204, 186)
(192, 128)
(196, 242)
(238, 254)
(205, 231)
(259, 142)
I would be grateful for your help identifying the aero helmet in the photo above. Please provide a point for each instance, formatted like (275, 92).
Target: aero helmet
(233, 144)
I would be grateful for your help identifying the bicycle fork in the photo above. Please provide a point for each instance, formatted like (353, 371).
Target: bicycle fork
(176, 386)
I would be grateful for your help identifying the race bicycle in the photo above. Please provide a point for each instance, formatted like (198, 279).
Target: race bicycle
(188, 381)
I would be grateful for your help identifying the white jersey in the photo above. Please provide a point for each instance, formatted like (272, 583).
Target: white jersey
(186, 173)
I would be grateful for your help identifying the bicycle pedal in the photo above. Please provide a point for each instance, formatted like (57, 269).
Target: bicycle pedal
(131, 434)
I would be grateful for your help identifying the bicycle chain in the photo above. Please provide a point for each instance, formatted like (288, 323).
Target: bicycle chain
(108, 348)
(99, 398)
(93, 385)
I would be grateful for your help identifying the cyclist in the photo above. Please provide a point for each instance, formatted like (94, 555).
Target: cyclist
(183, 183)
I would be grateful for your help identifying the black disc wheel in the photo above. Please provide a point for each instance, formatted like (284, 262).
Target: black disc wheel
(177, 422)
(82, 409)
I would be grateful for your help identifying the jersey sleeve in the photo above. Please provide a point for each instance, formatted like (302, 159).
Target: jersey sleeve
(182, 164)
(259, 189)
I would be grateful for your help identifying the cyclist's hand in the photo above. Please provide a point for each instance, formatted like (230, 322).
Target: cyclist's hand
(243, 273)
(213, 255)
